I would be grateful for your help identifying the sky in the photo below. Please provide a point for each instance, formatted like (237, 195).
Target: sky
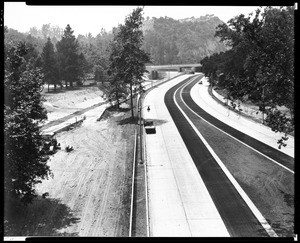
(85, 19)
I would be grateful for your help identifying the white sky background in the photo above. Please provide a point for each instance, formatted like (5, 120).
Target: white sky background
(85, 19)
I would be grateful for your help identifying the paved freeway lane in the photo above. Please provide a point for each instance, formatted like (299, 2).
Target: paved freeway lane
(237, 216)
(263, 148)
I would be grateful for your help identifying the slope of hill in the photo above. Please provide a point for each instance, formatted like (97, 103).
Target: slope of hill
(171, 41)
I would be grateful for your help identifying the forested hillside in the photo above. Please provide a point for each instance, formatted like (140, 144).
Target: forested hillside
(171, 41)
(93, 49)
(167, 40)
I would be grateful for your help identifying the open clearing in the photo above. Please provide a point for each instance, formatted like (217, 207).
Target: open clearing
(90, 192)
(65, 102)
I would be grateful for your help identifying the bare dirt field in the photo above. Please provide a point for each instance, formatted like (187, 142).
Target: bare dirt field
(90, 192)
(65, 102)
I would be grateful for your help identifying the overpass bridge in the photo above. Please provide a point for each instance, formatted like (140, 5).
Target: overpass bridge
(174, 67)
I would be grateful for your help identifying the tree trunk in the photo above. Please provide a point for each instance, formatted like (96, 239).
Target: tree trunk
(48, 87)
(54, 87)
(118, 101)
(131, 101)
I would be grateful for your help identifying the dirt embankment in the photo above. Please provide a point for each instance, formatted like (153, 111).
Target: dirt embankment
(66, 102)
(90, 192)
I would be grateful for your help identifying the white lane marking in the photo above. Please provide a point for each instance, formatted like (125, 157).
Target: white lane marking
(245, 197)
(203, 221)
(238, 139)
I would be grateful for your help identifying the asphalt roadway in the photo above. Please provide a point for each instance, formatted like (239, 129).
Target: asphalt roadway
(238, 218)
(284, 159)
(236, 211)
(179, 203)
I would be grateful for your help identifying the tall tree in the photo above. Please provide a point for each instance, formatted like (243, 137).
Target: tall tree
(49, 64)
(117, 88)
(67, 49)
(99, 74)
(260, 64)
(83, 67)
(23, 111)
(46, 31)
(131, 59)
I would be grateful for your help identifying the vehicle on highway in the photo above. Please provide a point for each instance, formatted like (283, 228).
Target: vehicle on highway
(189, 71)
(149, 126)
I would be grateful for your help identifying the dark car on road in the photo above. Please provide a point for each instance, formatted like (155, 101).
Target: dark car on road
(149, 126)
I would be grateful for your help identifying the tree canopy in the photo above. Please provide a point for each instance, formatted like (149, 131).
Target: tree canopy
(68, 56)
(127, 58)
(260, 63)
(23, 111)
(50, 64)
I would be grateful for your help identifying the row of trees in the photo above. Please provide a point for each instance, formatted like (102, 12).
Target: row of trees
(95, 50)
(67, 63)
(260, 64)
(23, 112)
(121, 60)
(26, 70)
(47, 31)
(127, 58)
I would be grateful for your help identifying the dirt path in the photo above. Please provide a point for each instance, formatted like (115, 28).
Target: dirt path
(65, 103)
(90, 192)
(67, 117)
(94, 179)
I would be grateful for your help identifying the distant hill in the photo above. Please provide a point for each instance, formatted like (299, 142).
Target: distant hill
(188, 40)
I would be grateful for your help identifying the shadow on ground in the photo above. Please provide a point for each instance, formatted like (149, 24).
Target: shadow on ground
(121, 109)
(128, 120)
(44, 217)
(158, 122)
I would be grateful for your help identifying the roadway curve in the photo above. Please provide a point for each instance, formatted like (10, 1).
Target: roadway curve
(236, 214)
